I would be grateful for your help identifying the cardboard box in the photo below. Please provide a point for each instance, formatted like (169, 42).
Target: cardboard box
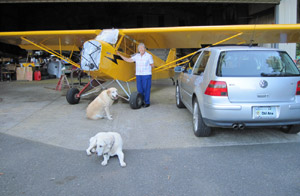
(28, 73)
(24, 73)
(21, 73)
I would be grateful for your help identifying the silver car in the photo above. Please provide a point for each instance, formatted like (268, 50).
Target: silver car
(238, 87)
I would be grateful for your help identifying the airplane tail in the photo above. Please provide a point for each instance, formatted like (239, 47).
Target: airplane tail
(172, 55)
(162, 71)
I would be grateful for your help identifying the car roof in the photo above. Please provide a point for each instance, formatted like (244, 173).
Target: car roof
(224, 48)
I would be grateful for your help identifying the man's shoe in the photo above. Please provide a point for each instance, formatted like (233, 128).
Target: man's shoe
(146, 105)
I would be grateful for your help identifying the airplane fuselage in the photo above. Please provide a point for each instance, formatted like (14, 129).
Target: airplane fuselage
(100, 59)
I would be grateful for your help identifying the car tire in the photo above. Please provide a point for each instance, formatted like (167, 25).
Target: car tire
(199, 127)
(136, 100)
(291, 129)
(71, 96)
(179, 103)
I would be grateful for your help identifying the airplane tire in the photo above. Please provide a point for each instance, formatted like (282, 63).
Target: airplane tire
(136, 100)
(71, 96)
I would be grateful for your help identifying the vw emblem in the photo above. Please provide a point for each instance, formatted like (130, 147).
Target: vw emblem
(263, 84)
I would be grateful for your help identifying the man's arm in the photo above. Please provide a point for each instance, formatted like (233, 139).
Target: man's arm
(129, 60)
(151, 62)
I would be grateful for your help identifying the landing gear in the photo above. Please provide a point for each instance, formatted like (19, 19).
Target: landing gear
(136, 100)
(72, 96)
(173, 81)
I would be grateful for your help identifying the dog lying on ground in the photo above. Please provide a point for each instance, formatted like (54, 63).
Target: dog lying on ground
(101, 104)
(107, 144)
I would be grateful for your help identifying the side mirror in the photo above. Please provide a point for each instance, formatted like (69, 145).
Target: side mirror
(178, 69)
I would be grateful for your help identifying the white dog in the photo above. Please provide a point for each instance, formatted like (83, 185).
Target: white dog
(107, 144)
(101, 104)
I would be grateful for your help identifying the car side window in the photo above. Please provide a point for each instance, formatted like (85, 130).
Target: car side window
(191, 63)
(201, 63)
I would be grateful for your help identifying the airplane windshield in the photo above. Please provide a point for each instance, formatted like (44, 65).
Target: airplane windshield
(109, 36)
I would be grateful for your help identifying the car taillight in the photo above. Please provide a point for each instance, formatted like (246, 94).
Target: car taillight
(298, 88)
(216, 88)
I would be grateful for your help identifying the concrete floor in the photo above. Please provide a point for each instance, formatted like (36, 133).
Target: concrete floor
(35, 111)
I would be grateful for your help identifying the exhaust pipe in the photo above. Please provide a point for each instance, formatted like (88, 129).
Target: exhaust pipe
(235, 126)
(241, 126)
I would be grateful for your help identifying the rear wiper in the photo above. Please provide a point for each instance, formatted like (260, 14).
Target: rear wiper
(277, 74)
(270, 74)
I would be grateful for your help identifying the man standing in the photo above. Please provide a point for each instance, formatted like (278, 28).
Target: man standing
(143, 71)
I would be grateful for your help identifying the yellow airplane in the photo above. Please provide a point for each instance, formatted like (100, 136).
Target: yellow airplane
(98, 48)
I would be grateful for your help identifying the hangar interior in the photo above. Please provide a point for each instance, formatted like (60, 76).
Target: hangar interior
(26, 15)
(58, 16)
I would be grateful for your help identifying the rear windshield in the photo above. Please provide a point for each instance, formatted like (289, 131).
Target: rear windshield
(254, 63)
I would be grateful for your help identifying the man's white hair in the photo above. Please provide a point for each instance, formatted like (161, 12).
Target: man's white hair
(141, 44)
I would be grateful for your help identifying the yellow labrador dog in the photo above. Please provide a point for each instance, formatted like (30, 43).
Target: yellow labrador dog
(107, 144)
(101, 104)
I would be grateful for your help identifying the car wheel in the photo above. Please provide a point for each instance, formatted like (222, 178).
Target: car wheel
(291, 129)
(71, 96)
(200, 129)
(179, 103)
(136, 100)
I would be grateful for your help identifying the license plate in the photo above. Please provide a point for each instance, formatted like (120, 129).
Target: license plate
(264, 112)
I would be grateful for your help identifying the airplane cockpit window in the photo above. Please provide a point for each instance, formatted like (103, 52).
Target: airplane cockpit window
(128, 46)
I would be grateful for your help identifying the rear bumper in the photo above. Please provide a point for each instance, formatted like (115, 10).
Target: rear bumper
(229, 124)
(217, 115)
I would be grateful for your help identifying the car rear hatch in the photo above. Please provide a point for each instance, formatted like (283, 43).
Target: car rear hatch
(258, 75)
(261, 89)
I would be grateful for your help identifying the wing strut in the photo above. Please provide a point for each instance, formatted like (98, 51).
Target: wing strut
(49, 50)
(159, 69)
(164, 67)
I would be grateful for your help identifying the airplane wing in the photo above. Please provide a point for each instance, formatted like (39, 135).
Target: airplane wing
(168, 37)
(194, 37)
(70, 40)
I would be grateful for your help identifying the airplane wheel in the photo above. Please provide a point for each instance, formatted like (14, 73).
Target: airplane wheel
(136, 100)
(71, 96)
